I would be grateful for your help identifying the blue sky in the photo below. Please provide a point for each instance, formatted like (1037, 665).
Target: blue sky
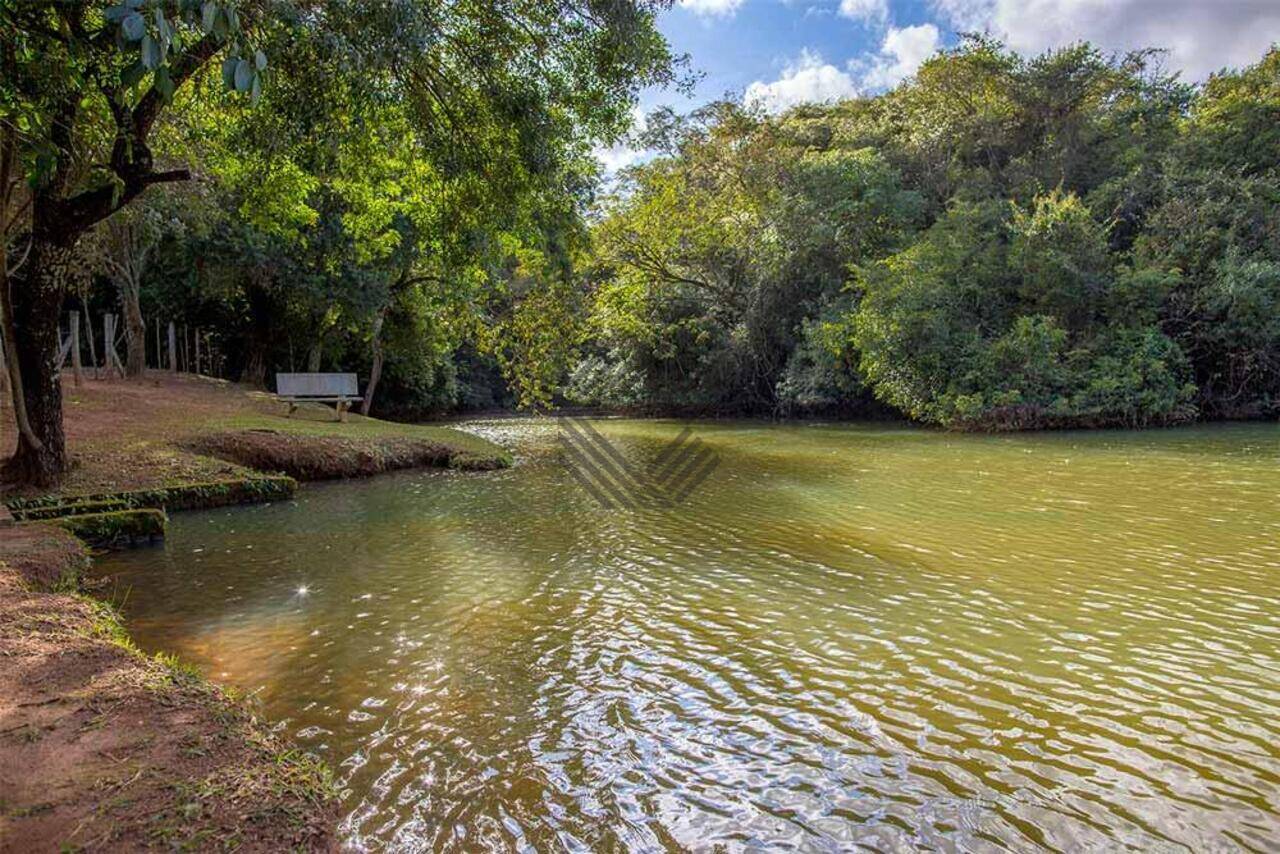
(761, 38)
(781, 52)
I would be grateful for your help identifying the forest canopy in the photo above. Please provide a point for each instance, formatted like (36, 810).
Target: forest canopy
(290, 172)
(1071, 239)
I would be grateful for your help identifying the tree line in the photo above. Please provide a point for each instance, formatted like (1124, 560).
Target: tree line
(1072, 239)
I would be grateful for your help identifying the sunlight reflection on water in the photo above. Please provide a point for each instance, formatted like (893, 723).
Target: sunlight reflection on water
(848, 634)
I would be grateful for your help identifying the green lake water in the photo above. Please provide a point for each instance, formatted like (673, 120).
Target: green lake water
(847, 635)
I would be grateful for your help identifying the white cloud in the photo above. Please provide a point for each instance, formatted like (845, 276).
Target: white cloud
(1202, 36)
(901, 53)
(966, 15)
(711, 8)
(622, 154)
(870, 11)
(807, 80)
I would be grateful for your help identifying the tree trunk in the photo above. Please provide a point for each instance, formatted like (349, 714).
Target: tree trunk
(375, 373)
(135, 332)
(264, 312)
(254, 372)
(313, 358)
(37, 305)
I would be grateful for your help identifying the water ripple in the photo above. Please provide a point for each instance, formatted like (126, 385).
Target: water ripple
(848, 636)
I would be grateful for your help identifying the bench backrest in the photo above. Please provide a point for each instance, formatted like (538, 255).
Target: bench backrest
(317, 385)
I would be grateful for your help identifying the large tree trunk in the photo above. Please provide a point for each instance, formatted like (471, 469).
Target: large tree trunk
(135, 331)
(254, 372)
(37, 305)
(57, 222)
(262, 317)
(375, 373)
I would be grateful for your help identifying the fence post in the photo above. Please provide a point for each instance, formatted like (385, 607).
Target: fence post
(88, 333)
(110, 359)
(75, 346)
(4, 376)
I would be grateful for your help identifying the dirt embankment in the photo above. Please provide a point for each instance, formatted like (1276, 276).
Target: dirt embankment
(309, 457)
(320, 457)
(104, 748)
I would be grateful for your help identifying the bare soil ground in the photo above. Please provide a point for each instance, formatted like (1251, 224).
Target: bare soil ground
(103, 748)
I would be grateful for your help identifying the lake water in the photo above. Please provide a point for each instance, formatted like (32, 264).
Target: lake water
(846, 635)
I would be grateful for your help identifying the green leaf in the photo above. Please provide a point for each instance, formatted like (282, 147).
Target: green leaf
(244, 75)
(208, 15)
(256, 92)
(133, 27)
(150, 53)
(229, 71)
(116, 13)
(260, 59)
(164, 83)
(233, 20)
(131, 75)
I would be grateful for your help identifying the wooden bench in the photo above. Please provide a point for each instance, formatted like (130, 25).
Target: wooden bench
(339, 389)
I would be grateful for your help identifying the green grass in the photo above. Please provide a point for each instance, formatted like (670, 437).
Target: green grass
(317, 420)
(154, 452)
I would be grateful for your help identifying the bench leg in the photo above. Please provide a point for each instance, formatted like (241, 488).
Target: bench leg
(293, 407)
(342, 410)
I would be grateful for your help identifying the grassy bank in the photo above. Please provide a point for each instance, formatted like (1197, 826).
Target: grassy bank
(103, 747)
(174, 430)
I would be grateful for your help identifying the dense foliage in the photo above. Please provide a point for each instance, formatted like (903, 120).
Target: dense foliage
(406, 190)
(364, 166)
(1000, 243)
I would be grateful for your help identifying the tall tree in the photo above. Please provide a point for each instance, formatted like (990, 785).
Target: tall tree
(84, 84)
(121, 247)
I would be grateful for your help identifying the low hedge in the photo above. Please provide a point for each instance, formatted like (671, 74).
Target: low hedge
(191, 496)
(119, 527)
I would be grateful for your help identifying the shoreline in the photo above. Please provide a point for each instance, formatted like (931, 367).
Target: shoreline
(833, 420)
(102, 745)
